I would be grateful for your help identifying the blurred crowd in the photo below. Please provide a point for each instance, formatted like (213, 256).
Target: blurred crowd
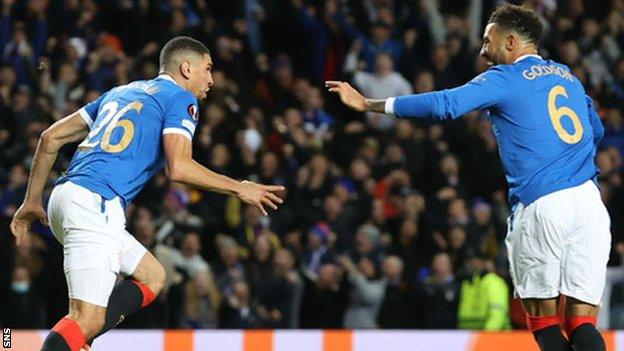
(386, 223)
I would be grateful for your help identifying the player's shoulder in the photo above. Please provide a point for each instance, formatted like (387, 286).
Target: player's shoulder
(498, 72)
(171, 92)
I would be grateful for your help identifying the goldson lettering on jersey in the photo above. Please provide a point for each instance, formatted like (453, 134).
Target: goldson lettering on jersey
(543, 70)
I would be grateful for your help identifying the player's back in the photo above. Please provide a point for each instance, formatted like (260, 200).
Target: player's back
(124, 147)
(544, 129)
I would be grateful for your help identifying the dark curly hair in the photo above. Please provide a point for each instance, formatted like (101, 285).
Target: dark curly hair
(519, 19)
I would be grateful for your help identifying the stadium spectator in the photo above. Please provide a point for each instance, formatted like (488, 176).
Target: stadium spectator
(439, 294)
(366, 293)
(484, 298)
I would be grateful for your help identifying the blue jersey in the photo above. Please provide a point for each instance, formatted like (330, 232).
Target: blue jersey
(546, 126)
(124, 147)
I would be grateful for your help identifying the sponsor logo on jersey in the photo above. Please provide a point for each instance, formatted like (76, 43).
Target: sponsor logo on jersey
(192, 111)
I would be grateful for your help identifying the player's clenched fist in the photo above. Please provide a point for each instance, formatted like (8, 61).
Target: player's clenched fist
(259, 195)
(23, 218)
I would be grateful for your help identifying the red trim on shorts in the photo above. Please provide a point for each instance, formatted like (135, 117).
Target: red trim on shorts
(574, 322)
(70, 331)
(536, 323)
(148, 294)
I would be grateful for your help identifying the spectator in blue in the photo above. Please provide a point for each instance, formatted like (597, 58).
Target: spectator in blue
(318, 252)
(380, 40)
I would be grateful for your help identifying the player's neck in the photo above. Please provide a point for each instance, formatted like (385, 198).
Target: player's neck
(524, 52)
(177, 79)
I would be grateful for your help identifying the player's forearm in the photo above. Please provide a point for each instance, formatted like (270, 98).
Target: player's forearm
(44, 159)
(193, 174)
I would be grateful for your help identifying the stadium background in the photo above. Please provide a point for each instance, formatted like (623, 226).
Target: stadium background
(386, 222)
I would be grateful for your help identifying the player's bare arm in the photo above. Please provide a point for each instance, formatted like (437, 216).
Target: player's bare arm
(70, 129)
(352, 98)
(182, 168)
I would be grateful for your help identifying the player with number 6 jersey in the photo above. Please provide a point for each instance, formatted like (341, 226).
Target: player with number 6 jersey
(547, 132)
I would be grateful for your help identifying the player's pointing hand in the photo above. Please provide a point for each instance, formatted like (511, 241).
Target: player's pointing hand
(260, 195)
(348, 95)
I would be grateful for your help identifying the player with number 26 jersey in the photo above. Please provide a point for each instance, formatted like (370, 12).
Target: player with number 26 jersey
(123, 149)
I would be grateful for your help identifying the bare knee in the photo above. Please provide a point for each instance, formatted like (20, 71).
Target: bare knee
(150, 273)
(541, 307)
(89, 317)
(576, 307)
(157, 281)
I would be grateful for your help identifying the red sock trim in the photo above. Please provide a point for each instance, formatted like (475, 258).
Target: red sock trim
(148, 294)
(70, 331)
(574, 322)
(536, 323)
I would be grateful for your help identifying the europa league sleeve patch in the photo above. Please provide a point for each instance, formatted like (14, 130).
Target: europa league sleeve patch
(193, 112)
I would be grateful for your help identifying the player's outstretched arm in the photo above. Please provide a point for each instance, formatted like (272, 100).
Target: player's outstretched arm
(485, 90)
(352, 98)
(182, 168)
(67, 130)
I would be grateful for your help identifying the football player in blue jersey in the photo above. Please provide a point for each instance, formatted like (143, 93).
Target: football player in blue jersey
(127, 134)
(547, 131)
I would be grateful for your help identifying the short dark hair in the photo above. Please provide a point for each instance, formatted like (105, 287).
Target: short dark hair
(178, 45)
(520, 19)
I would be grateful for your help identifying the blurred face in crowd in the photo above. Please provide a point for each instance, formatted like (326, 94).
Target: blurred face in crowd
(457, 237)
(241, 291)
(442, 266)
(392, 268)
(145, 233)
(333, 207)
(482, 214)
(7, 76)
(191, 245)
(262, 248)
(380, 34)
(328, 276)
(383, 64)
(20, 282)
(283, 261)
(229, 254)
(270, 165)
(408, 231)
(314, 241)
(17, 176)
(220, 156)
(314, 100)
(359, 170)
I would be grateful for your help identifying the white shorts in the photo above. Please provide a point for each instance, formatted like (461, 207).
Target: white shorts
(96, 245)
(560, 244)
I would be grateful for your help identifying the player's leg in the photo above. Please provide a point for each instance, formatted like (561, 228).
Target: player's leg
(534, 260)
(584, 267)
(581, 326)
(90, 265)
(544, 323)
(70, 333)
(145, 279)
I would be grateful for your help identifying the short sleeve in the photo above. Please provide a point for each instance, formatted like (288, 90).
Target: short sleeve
(90, 111)
(182, 115)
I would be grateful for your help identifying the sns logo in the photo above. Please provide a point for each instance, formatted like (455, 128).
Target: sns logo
(6, 338)
(192, 111)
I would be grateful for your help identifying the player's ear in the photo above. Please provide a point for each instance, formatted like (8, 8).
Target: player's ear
(185, 69)
(511, 42)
